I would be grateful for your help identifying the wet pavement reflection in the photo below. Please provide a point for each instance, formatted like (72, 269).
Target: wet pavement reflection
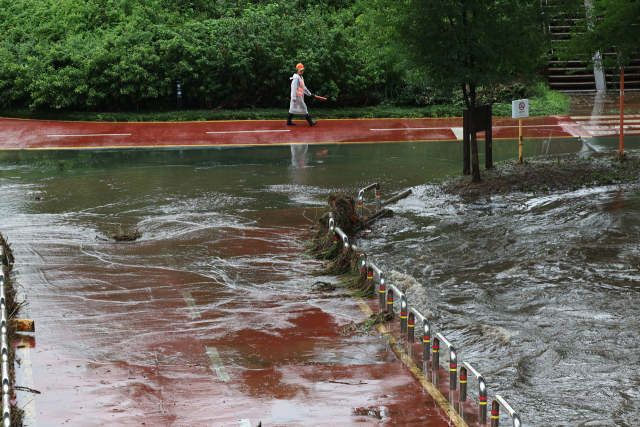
(538, 292)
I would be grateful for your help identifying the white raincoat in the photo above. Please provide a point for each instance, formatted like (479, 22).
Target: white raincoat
(298, 91)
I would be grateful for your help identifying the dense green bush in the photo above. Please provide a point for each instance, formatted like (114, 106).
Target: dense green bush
(110, 55)
(123, 54)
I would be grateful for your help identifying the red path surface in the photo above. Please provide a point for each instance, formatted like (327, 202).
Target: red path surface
(120, 342)
(34, 134)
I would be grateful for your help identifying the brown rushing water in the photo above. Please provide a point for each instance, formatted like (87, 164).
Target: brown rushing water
(539, 292)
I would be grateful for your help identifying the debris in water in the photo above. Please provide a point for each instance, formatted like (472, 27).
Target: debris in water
(121, 235)
(323, 286)
(374, 319)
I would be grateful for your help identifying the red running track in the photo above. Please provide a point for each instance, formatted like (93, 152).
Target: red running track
(35, 134)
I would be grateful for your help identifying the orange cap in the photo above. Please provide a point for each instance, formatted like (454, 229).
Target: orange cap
(300, 66)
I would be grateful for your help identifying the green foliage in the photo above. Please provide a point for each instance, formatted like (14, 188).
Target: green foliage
(464, 43)
(542, 102)
(602, 26)
(123, 54)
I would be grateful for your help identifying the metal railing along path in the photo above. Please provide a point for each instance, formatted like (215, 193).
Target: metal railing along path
(403, 306)
(382, 283)
(361, 198)
(426, 332)
(4, 348)
(453, 361)
(430, 350)
(495, 412)
(482, 390)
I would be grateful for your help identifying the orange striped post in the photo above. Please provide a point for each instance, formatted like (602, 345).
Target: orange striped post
(621, 110)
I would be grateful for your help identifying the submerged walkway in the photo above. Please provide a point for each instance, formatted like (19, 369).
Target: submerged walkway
(128, 336)
(34, 134)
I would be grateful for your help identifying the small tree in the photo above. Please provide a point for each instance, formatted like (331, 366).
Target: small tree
(467, 44)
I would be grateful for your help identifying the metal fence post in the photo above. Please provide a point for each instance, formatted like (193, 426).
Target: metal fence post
(515, 418)
(344, 237)
(462, 394)
(435, 364)
(453, 362)
(361, 198)
(495, 413)
(482, 392)
(382, 288)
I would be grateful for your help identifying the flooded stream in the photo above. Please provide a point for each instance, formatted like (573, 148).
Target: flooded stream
(538, 291)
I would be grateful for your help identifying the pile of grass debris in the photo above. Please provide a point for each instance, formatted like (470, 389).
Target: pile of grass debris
(13, 307)
(121, 235)
(321, 245)
(373, 320)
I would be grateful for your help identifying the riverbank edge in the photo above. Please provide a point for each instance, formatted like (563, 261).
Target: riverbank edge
(543, 175)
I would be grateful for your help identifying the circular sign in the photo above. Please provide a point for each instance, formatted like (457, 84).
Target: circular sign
(521, 106)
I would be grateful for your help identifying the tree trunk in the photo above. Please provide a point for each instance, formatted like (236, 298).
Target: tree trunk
(475, 164)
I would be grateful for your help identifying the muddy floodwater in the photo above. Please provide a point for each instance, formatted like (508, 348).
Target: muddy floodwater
(540, 292)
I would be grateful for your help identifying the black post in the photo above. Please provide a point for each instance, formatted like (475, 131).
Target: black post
(488, 139)
(179, 100)
(466, 161)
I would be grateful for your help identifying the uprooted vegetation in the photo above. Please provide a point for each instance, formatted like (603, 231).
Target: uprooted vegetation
(323, 245)
(120, 234)
(374, 319)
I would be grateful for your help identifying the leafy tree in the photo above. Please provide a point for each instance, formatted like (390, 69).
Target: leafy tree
(467, 44)
(602, 26)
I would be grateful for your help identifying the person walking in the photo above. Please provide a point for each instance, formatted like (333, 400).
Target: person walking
(298, 91)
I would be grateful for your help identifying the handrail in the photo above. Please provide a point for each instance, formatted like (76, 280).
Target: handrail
(453, 361)
(344, 237)
(382, 287)
(403, 306)
(4, 348)
(407, 326)
(361, 198)
(426, 332)
(495, 407)
(482, 390)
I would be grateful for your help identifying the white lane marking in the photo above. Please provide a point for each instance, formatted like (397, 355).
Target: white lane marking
(611, 127)
(458, 132)
(606, 116)
(245, 423)
(216, 361)
(494, 127)
(191, 304)
(595, 122)
(93, 134)
(251, 131)
(613, 132)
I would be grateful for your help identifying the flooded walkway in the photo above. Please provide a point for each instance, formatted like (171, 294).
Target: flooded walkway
(132, 334)
(209, 319)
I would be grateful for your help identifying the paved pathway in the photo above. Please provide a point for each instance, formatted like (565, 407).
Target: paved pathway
(34, 134)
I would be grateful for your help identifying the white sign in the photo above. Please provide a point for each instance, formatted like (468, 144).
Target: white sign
(520, 109)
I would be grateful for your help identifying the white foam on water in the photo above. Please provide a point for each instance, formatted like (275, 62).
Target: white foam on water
(497, 334)
(413, 290)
